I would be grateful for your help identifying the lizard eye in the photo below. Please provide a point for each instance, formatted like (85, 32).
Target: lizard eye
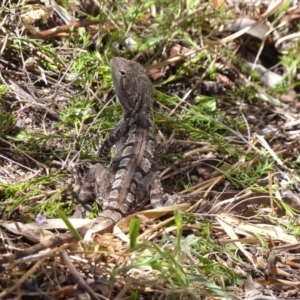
(122, 73)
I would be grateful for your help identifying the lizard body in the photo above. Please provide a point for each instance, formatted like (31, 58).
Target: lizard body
(128, 182)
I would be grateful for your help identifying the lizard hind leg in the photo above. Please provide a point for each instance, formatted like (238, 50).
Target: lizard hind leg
(95, 185)
(150, 188)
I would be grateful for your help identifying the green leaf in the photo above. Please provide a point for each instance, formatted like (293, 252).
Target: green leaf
(134, 228)
(69, 224)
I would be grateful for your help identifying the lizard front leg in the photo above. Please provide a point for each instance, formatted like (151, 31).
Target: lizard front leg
(113, 137)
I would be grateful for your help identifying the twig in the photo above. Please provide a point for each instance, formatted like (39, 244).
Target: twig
(77, 276)
(22, 279)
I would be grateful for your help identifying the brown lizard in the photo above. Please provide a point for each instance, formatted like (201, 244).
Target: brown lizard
(128, 182)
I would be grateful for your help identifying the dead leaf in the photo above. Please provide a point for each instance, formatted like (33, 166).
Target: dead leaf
(252, 288)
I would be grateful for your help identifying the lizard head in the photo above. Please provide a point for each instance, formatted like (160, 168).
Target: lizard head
(132, 85)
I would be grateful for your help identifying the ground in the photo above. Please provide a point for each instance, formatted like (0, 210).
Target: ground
(226, 113)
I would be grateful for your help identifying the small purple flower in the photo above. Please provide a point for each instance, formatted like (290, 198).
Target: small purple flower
(40, 219)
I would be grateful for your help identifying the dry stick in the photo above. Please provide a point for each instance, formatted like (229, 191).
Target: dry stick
(163, 176)
(77, 276)
(263, 297)
(265, 144)
(64, 28)
(23, 153)
(180, 102)
(270, 177)
(147, 233)
(66, 238)
(124, 289)
(273, 255)
(20, 165)
(43, 255)
(22, 279)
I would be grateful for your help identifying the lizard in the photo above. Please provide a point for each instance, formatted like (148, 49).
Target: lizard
(129, 181)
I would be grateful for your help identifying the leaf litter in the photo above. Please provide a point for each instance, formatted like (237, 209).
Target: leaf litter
(233, 156)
